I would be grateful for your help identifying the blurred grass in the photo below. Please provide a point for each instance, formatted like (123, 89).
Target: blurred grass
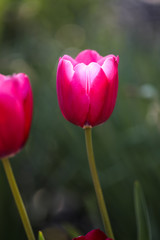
(52, 170)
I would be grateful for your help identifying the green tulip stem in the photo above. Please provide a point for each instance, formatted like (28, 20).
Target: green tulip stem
(96, 183)
(18, 199)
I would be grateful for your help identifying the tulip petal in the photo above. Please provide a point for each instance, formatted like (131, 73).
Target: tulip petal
(102, 59)
(87, 56)
(27, 102)
(11, 125)
(71, 89)
(69, 58)
(95, 234)
(110, 67)
(97, 94)
(78, 96)
(64, 76)
(18, 86)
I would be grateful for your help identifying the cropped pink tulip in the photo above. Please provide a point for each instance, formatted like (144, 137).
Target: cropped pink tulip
(95, 234)
(16, 105)
(87, 87)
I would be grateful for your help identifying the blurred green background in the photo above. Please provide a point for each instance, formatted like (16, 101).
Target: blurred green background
(52, 170)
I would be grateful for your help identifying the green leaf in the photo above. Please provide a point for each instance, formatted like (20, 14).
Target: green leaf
(142, 217)
(40, 236)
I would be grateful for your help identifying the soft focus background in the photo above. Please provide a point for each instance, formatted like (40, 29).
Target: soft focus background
(52, 170)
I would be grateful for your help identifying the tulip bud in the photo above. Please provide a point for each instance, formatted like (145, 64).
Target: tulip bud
(95, 234)
(87, 87)
(16, 105)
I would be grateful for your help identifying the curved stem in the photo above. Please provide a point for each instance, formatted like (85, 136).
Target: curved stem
(97, 186)
(18, 199)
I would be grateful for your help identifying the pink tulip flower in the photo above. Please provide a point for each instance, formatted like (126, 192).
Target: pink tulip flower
(16, 105)
(95, 234)
(87, 87)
